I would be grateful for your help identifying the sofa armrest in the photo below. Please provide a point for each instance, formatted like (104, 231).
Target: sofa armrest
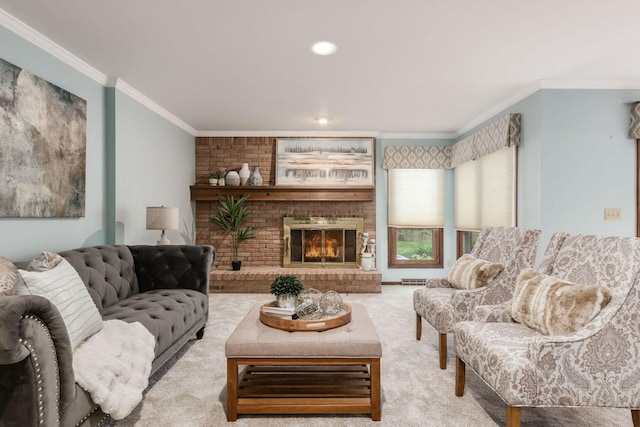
(173, 266)
(36, 370)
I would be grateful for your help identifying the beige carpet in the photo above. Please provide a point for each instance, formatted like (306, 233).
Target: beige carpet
(415, 392)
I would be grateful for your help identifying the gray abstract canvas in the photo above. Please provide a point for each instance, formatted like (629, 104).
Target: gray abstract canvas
(42, 147)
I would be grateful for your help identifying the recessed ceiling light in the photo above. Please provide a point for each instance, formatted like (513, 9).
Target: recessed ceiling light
(324, 48)
(322, 120)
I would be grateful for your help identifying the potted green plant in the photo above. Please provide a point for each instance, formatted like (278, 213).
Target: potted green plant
(230, 216)
(286, 288)
(213, 179)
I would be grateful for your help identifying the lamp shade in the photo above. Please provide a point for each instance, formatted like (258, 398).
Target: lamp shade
(162, 218)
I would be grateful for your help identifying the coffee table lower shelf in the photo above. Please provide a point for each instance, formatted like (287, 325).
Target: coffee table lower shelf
(303, 386)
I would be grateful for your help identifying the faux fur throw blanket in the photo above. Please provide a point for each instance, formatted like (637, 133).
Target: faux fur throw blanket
(113, 365)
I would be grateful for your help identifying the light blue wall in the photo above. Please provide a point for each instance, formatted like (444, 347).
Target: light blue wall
(588, 162)
(382, 244)
(135, 158)
(574, 161)
(24, 238)
(155, 165)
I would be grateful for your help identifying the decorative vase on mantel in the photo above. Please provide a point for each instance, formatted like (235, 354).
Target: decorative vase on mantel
(244, 174)
(255, 178)
(221, 173)
(232, 178)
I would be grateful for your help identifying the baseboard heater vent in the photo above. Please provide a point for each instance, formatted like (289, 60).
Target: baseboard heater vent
(413, 282)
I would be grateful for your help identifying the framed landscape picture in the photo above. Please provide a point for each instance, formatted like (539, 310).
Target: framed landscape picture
(325, 162)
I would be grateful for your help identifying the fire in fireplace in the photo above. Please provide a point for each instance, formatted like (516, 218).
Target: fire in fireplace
(322, 242)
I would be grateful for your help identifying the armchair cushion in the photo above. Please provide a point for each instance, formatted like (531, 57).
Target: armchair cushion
(555, 307)
(64, 288)
(469, 272)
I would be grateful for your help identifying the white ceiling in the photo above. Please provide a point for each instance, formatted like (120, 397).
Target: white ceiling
(410, 66)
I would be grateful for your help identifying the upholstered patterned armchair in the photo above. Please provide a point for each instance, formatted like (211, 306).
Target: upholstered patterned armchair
(597, 365)
(442, 306)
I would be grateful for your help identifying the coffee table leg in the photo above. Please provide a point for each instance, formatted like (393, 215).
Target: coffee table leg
(232, 389)
(376, 409)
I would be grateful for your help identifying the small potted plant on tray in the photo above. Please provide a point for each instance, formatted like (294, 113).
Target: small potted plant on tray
(286, 288)
(213, 179)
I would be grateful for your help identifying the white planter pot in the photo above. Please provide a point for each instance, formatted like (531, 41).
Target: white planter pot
(286, 301)
(367, 261)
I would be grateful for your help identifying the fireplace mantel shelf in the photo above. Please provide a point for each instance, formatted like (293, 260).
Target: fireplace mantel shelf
(205, 192)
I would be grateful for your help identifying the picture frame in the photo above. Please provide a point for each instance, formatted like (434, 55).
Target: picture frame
(325, 162)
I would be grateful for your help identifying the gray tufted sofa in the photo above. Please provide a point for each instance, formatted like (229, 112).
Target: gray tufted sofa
(163, 287)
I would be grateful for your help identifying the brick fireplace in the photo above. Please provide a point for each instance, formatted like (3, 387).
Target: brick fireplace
(262, 257)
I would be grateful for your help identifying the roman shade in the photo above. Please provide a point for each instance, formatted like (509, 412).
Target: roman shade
(416, 198)
(485, 191)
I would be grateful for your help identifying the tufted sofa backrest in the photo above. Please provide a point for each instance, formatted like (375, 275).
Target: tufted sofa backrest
(173, 266)
(107, 271)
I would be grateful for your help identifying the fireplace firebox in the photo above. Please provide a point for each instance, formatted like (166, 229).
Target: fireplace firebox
(322, 242)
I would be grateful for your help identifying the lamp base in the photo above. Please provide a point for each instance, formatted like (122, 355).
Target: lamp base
(163, 240)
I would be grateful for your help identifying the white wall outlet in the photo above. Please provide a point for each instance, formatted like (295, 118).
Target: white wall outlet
(612, 214)
(447, 263)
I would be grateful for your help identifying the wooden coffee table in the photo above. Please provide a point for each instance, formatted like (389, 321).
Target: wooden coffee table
(336, 371)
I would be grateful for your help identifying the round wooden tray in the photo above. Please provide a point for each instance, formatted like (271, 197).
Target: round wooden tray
(305, 325)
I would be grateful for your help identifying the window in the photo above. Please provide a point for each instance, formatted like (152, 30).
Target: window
(485, 195)
(466, 241)
(415, 247)
(416, 217)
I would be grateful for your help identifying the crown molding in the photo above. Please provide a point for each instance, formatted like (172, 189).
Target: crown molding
(129, 90)
(21, 29)
(589, 84)
(546, 84)
(519, 96)
(26, 32)
(416, 135)
(288, 134)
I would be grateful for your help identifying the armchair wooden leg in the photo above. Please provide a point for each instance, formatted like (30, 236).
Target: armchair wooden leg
(635, 416)
(418, 327)
(460, 372)
(513, 416)
(443, 351)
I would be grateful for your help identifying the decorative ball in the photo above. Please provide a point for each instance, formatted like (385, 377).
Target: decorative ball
(310, 300)
(310, 294)
(331, 303)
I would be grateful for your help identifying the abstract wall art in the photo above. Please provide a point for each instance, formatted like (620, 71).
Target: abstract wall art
(325, 162)
(42, 147)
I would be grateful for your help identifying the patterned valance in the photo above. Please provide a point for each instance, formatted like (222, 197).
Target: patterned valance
(634, 124)
(504, 132)
(405, 157)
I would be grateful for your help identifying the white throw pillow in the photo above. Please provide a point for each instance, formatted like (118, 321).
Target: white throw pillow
(64, 288)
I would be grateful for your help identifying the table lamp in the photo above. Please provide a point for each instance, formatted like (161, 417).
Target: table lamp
(162, 218)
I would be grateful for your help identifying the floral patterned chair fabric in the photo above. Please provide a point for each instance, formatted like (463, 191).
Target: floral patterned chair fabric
(442, 306)
(594, 366)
